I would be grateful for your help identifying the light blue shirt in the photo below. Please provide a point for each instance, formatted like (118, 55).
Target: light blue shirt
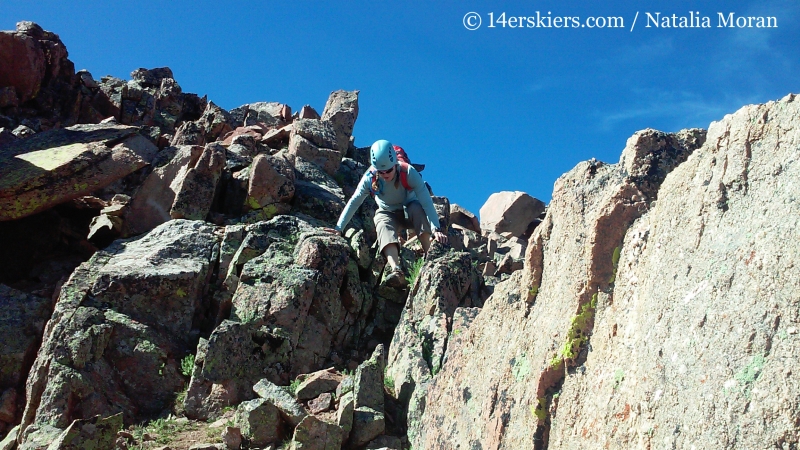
(391, 198)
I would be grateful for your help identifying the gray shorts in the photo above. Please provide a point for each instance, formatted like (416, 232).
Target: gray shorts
(387, 223)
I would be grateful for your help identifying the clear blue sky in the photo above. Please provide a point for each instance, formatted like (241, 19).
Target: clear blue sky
(487, 110)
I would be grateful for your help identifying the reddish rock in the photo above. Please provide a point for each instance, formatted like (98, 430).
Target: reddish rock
(307, 112)
(22, 64)
(462, 217)
(271, 181)
(510, 213)
(321, 403)
(317, 383)
(325, 158)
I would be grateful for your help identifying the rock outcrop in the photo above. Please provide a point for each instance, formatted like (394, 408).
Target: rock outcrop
(120, 327)
(697, 343)
(497, 396)
(651, 304)
(60, 165)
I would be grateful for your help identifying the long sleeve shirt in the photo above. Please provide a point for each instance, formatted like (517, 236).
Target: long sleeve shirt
(390, 197)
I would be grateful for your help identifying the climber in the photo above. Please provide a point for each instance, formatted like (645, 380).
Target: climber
(403, 203)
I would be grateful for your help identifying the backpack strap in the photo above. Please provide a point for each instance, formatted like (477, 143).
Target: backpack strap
(403, 169)
(404, 175)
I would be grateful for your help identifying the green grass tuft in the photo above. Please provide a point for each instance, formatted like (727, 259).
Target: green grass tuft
(413, 271)
(187, 365)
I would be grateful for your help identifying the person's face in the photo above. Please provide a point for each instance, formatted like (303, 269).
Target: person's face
(386, 174)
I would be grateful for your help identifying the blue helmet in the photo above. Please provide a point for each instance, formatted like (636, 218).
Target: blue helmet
(382, 155)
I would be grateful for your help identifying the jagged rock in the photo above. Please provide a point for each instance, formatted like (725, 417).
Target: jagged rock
(290, 409)
(23, 131)
(442, 206)
(325, 158)
(151, 77)
(368, 385)
(152, 202)
(419, 343)
(205, 399)
(307, 112)
(22, 63)
(461, 217)
(704, 308)
(510, 213)
(91, 433)
(22, 320)
(367, 425)
(259, 420)
(315, 434)
(344, 413)
(318, 382)
(193, 200)
(316, 193)
(499, 395)
(321, 403)
(56, 166)
(341, 110)
(271, 183)
(320, 133)
(120, 324)
(232, 438)
(268, 113)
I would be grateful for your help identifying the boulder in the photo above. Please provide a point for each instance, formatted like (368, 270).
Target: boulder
(317, 383)
(259, 420)
(315, 434)
(266, 113)
(290, 409)
(151, 77)
(320, 133)
(193, 200)
(321, 403)
(59, 165)
(420, 339)
(341, 110)
(461, 217)
(151, 204)
(22, 64)
(367, 425)
(501, 395)
(271, 183)
(232, 438)
(325, 158)
(368, 386)
(307, 112)
(91, 433)
(344, 413)
(510, 213)
(120, 326)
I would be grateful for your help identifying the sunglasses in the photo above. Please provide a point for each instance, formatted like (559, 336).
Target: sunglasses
(384, 172)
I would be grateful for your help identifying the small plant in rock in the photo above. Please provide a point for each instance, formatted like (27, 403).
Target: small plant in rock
(187, 365)
(293, 386)
(413, 271)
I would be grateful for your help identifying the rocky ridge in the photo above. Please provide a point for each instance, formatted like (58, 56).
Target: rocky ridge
(176, 249)
(189, 274)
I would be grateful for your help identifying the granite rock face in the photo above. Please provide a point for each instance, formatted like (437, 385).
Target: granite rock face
(697, 343)
(498, 395)
(121, 324)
